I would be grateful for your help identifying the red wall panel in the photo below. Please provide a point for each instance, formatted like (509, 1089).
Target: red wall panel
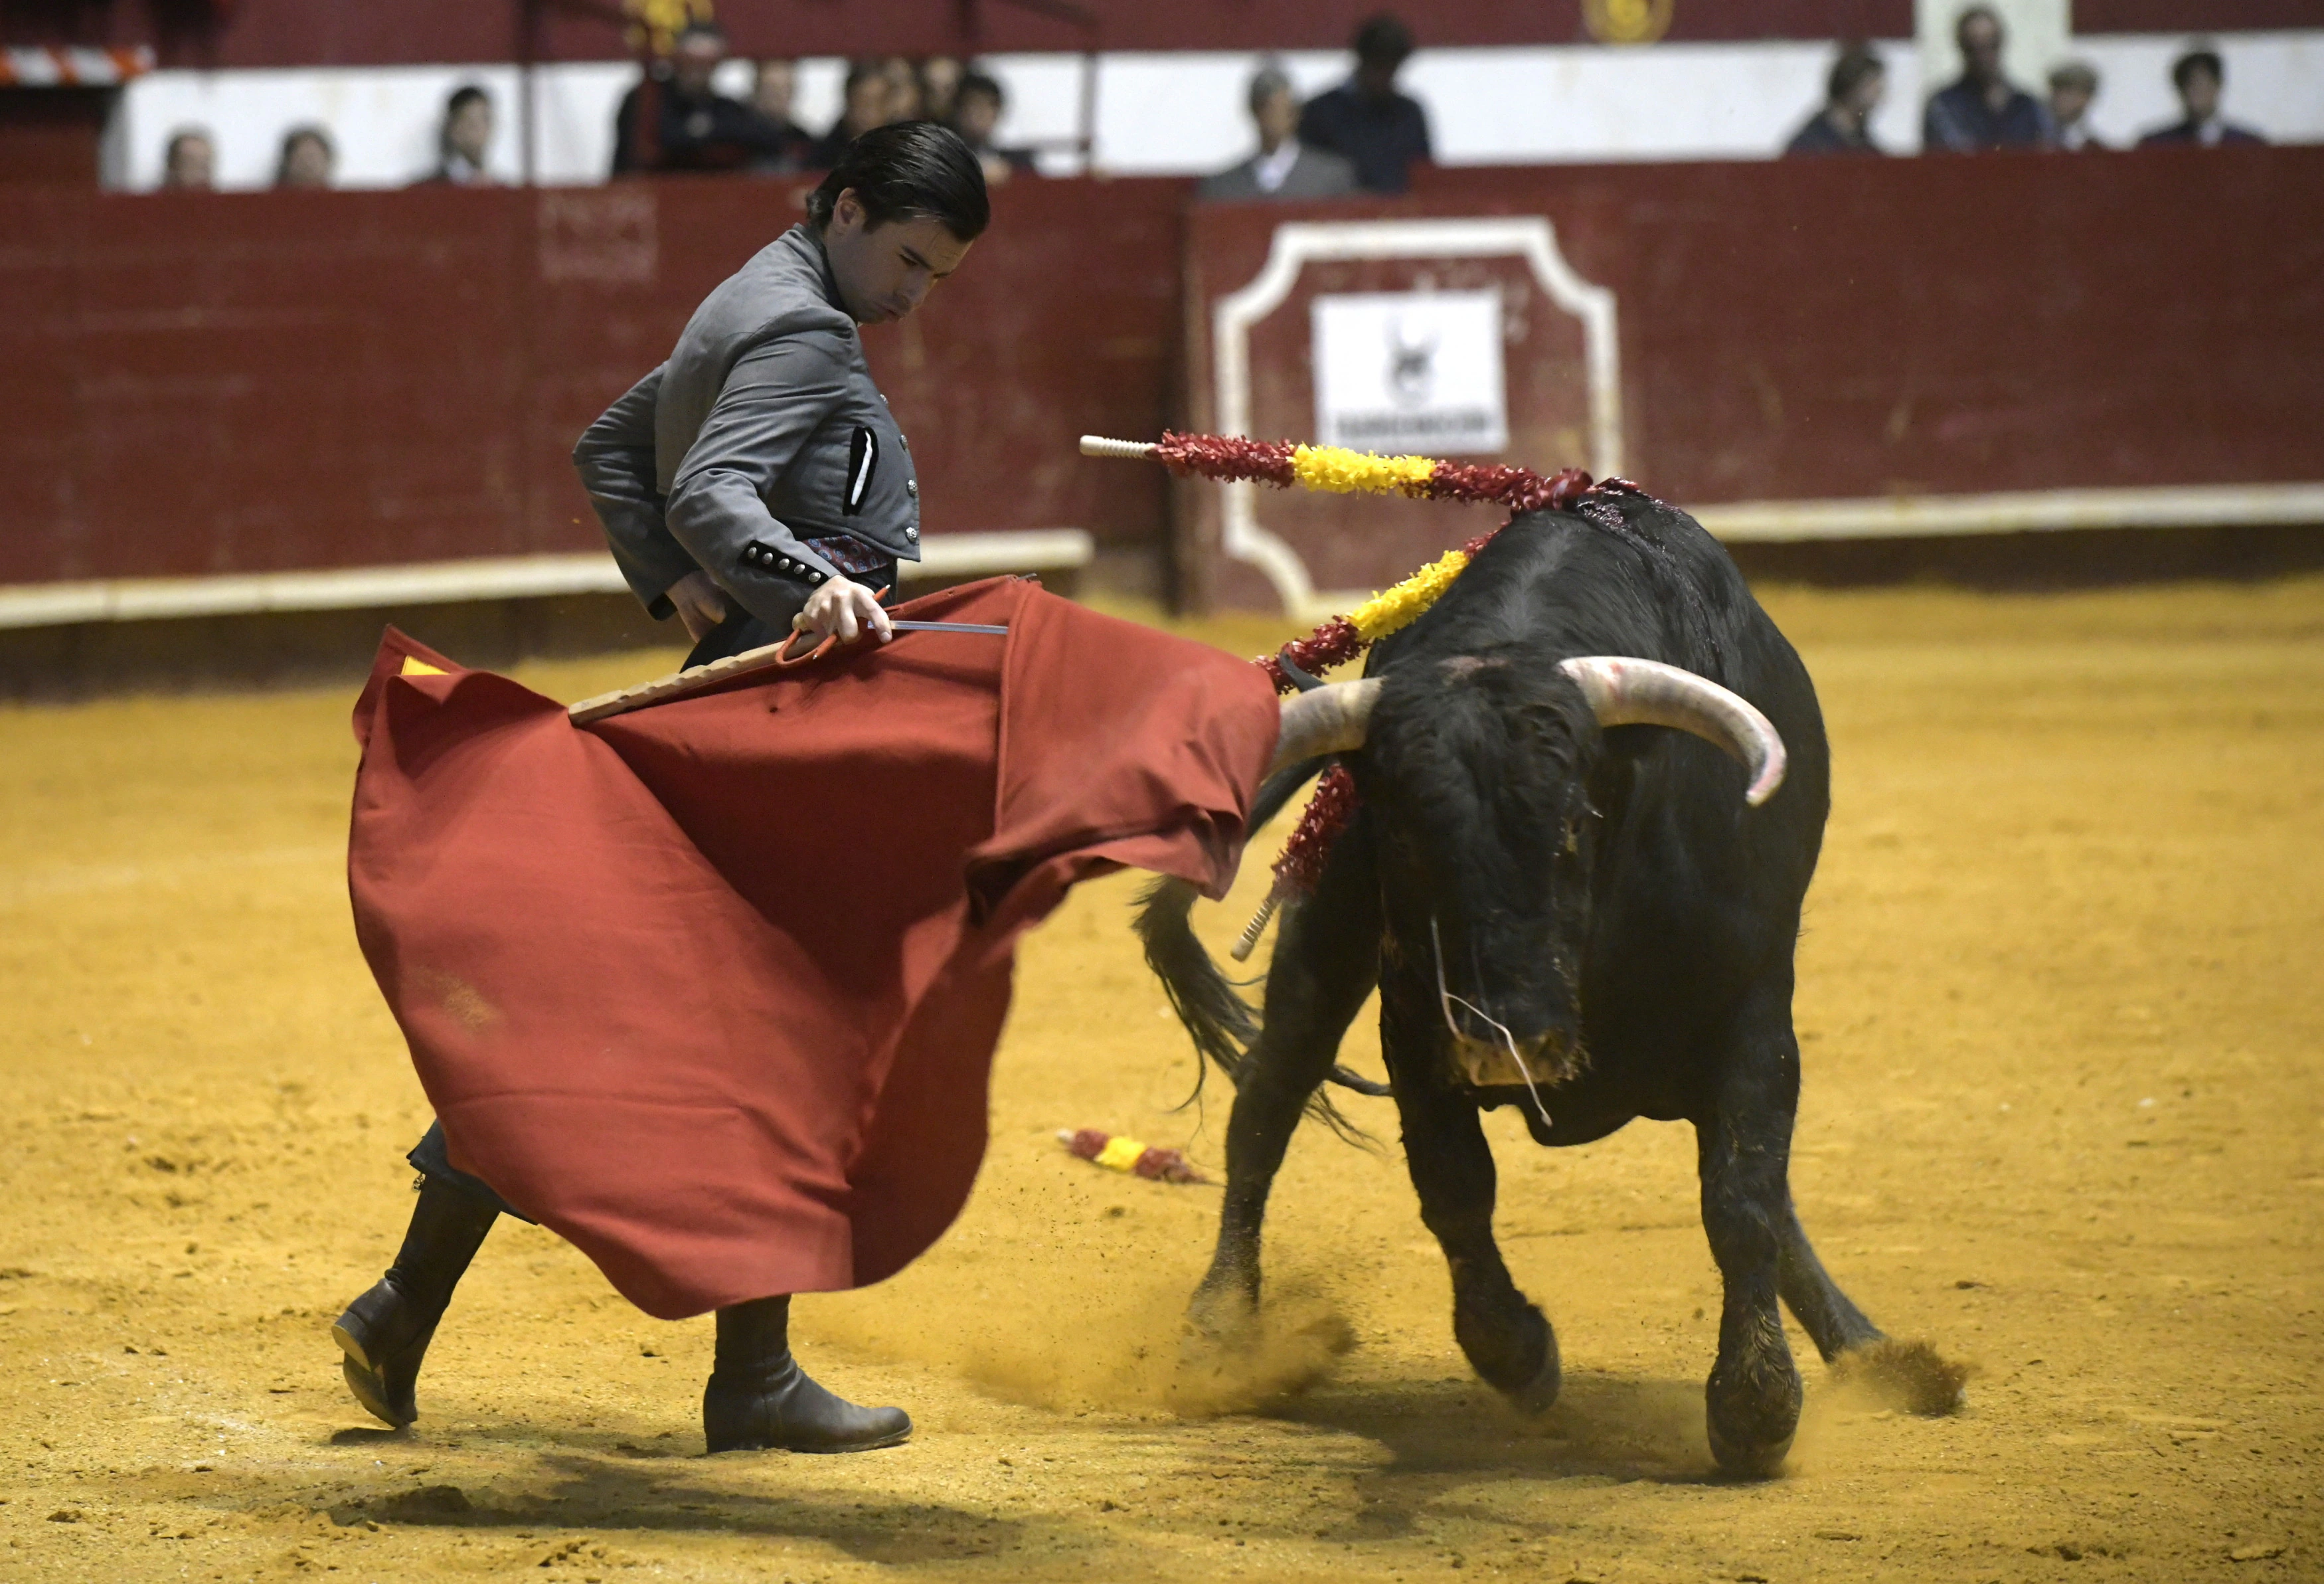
(251, 381)
(266, 380)
(1862, 328)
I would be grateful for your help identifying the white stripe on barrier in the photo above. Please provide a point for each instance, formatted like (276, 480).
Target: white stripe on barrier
(533, 576)
(2031, 511)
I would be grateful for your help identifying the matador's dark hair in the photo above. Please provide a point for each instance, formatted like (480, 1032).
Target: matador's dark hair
(910, 171)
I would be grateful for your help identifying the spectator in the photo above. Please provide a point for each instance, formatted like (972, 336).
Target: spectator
(772, 86)
(1983, 109)
(1365, 121)
(306, 158)
(863, 106)
(2199, 75)
(940, 77)
(189, 163)
(1851, 93)
(2072, 86)
(976, 116)
(907, 100)
(465, 139)
(1283, 167)
(676, 120)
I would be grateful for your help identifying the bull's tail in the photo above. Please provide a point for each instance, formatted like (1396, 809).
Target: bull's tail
(1222, 1023)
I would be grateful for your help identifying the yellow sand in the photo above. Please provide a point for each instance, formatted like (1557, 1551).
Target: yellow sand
(2061, 1000)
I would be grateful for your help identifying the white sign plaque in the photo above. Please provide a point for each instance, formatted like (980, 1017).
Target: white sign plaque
(1410, 371)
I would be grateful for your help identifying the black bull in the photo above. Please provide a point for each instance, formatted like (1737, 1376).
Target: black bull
(1588, 923)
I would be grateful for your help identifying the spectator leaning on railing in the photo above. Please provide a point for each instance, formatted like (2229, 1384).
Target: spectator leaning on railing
(1851, 93)
(1365, 121)
(1283, 167)
(1983, 109)
(2072, 86)
(2199, 75)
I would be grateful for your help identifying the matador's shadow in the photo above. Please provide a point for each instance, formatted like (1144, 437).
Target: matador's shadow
(637, 1488)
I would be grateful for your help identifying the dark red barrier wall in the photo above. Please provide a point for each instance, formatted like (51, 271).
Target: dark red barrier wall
(1819, 329)
(245, 383)
(262, 381)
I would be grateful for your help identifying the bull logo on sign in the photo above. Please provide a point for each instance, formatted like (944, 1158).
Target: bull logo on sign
(1411, 365)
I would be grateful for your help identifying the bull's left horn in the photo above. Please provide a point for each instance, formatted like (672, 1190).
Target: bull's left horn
(1624, 691)
(1329, 720)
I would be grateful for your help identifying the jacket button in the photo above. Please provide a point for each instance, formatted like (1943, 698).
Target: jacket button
(913, 535)
(814, 577)
(903, 441)
(912, 488)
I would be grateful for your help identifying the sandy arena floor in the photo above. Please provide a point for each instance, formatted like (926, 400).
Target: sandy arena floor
(2062, 1004)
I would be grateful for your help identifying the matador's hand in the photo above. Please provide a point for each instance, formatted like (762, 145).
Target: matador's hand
(845, 609)
(700, 604)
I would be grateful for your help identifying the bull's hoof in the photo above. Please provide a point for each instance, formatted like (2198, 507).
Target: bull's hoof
(1512, 1350)
(1762, 1460)
(1223, 1312)
(1752, 1417)
(1538, 1396)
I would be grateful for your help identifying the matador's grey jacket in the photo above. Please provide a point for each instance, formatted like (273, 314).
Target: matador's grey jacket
(762, 431)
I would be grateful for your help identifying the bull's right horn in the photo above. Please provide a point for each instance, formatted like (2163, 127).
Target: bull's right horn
(1624, 691)
(1329, 720)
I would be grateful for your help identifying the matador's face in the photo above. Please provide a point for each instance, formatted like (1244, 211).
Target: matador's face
(885, 271)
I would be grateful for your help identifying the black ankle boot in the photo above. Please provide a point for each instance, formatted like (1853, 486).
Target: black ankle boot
(759, 1398)
(385, 1333)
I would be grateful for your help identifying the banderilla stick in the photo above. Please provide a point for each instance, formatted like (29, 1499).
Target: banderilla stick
(1097, 445)
(679, 682)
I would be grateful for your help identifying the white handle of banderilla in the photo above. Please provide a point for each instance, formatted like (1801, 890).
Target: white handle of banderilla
(1097, 445)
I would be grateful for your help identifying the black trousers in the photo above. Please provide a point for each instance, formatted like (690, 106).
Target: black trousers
(430, 1158)
(743, 631)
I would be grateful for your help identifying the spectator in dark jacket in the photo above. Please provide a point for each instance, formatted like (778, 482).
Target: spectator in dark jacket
(675, 120)
(1365, 121)
(1983, 109)
(1283, 167)
(2199, 75)
(2072, 86)
(1851, 93)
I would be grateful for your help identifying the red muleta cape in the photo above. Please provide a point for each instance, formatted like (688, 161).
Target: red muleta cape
(711, 988)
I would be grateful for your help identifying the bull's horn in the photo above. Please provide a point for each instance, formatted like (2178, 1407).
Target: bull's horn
(1329, 720)
(1624, 691)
